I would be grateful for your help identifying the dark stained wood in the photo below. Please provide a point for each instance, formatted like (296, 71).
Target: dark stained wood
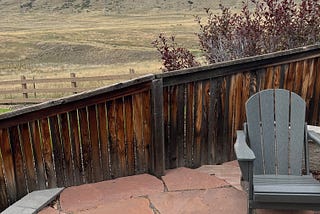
(314, 110)
(173, 140)
(67, 149)
(269, 78)
(129, 123)
(7, 168)
(297, 78)
(114, 158)
(166, 125)
(120, 138)
(157, 148)
(95, 143)
(198, 111)
(86, 147)
(227, 126)
(104, 144)
(57, 149)
(18, 162)
(47, 151)
(4, 202)
(138, 133)
(181, 117)
(204, 124)
(28, 156)
(289, 77)
(212, 122)
(189, 123)
(76, 148)
(38, 155)
(276, 76)
(147, 128)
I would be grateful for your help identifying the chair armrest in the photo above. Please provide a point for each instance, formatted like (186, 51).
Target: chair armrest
(314, 136)
(242, 150)
(245, 157)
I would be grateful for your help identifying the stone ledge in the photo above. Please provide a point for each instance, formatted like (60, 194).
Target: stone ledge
(33, 202)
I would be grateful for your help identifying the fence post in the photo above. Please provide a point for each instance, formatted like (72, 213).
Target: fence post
(24, 86)
(73, 82)
(34, 87)
(157, 146)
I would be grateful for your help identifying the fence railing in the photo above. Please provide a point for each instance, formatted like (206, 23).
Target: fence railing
(183, 118)
(37, 90)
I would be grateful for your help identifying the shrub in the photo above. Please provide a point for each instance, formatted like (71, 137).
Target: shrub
(262, 26)
(173, 56)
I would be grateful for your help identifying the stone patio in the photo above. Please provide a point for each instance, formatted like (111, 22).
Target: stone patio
(208, 189)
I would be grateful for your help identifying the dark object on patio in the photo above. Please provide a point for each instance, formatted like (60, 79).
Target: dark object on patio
(278, 139)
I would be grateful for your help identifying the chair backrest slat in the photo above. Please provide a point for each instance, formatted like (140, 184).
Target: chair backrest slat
(282, 103)
(253, 122)
(268, 132)
(276, 121)
(297, 121)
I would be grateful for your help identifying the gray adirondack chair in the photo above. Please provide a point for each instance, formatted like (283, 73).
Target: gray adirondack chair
(273, 164)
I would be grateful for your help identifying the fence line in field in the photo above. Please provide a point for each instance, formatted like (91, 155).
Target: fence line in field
(25, 90)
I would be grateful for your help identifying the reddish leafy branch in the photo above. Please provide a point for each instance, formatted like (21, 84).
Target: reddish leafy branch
(173, 56)
(262, 26)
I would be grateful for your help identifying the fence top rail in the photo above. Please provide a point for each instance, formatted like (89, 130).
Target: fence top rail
(234, 66)
(77, 97)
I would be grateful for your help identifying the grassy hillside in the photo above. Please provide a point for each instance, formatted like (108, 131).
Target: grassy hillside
(51, 39)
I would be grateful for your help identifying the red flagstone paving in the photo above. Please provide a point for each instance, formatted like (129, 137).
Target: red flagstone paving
(189, 179)
(208, 189)
(219, 200)
(88, 196)
(129, 206)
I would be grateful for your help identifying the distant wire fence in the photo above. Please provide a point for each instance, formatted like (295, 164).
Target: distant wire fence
(36, 90)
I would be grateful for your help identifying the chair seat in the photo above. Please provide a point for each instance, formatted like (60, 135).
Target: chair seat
(286, 189)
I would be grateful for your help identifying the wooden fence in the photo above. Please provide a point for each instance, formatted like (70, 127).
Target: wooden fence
(26, 90)
(183, 118)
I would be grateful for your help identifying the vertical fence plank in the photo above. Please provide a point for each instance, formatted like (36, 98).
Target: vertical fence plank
(8, 165)
(198, 111)
(173, 140)
(67, 149)
(94, 138)
(18, 161)
(120, 138)
(180, 125)
(38, 157)
(103, 136)
(189, 123)
(147, 135)
(28, 154)
(314, 111)
(57, 149)
(166, 125)
(85, 145)
(76, 147)
(47, 151)
(297, 78)
(138, 133)
(212, 122)
(205, 123)
(3, 189)
(157, 150)
(129, 123)
(114, 158)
